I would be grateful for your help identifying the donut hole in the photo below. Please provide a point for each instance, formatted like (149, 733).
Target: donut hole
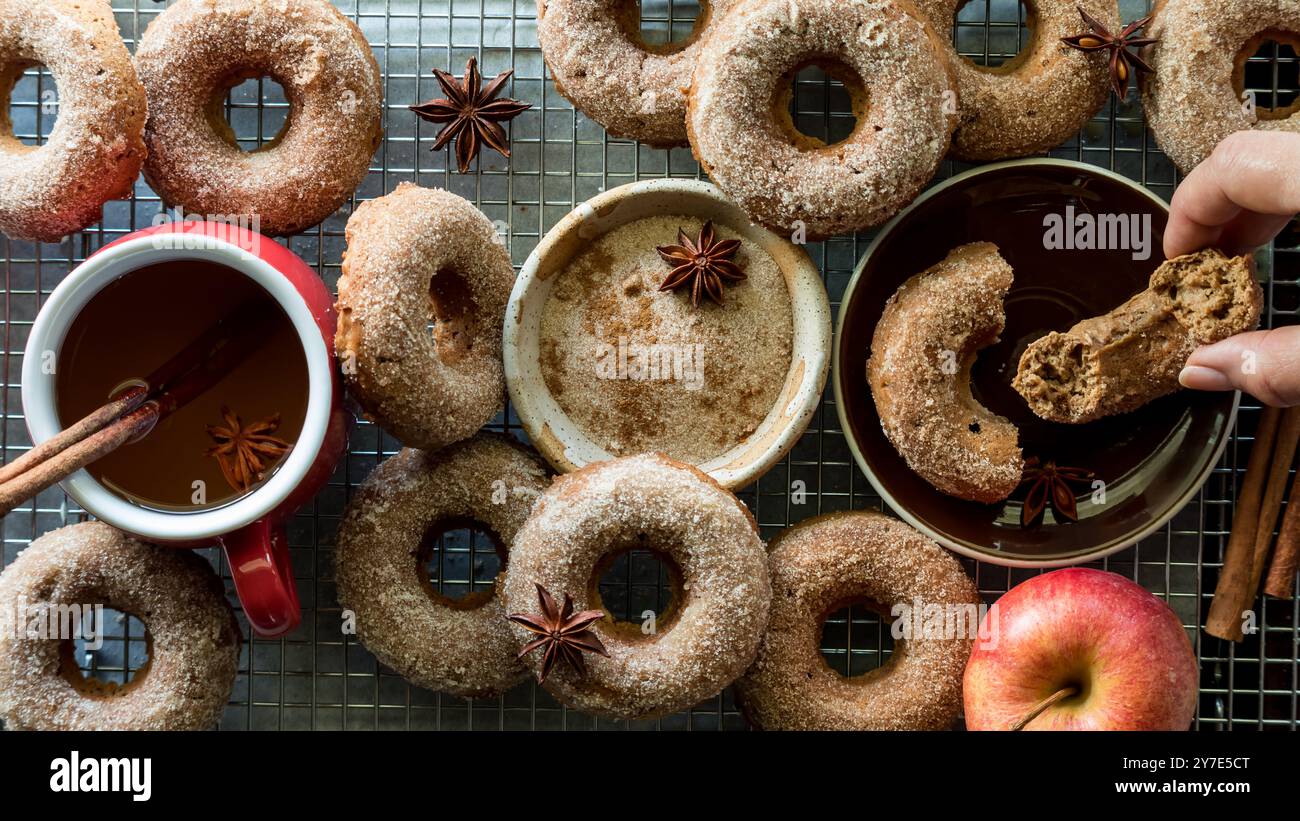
(820, 103)
(1268, 68)
(639, 587)
(249, 111)
(107, 654)
(458, 562)
(994, 34)
(31, 104)
(663, 26)
(855, 638)
(451, 308)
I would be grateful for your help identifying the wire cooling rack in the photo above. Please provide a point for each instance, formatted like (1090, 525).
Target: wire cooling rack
(319, 678)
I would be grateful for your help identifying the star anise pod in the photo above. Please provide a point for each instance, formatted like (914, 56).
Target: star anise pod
(244, 453)
(1049, 484)
(472, 112)
(1123, 62)
(705, 264)
(562, 633)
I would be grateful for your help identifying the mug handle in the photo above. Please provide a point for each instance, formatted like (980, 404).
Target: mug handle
(258, 555)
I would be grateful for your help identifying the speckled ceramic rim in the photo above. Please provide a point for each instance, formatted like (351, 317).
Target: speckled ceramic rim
(964, 548)
(563, 444)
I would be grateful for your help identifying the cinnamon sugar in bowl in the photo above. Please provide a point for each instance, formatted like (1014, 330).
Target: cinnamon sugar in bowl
(601, 363)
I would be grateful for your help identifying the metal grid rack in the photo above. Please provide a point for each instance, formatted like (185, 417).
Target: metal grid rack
(318, 678)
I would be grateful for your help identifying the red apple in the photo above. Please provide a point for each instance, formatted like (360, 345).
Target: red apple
(1117, 655)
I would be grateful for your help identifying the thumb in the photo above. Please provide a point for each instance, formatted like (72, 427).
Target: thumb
(1264, 364)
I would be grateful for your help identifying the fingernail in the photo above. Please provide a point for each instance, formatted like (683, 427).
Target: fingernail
(1204, 379)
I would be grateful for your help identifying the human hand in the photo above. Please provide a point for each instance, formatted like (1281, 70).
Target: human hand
(1238, 199)
(1264, 364)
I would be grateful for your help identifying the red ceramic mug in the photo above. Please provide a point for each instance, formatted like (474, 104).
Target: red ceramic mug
(250, 529)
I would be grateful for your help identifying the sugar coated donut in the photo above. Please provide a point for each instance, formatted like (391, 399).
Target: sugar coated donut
(741, 131)
(193, 638)
(94, 152)
(1195, 97)
(1037, 100)
(924, 346)
(601, 64)
(462, 646)
(710, 632)
(415, 255)
(819, 566)
(197, 50)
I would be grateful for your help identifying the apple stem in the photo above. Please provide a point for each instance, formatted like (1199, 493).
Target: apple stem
(1063, 693)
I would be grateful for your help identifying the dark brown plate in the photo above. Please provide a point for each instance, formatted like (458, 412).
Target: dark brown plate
(1152, 460)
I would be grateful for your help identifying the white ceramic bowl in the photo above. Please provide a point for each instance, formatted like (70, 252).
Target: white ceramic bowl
(556, 436)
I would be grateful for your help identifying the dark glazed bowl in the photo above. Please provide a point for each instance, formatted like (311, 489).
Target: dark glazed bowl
(1152, 461)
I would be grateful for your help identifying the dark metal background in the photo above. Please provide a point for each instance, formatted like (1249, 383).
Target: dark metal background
(318, 678)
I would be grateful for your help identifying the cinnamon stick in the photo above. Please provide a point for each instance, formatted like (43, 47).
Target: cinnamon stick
(1284, 448)
(195, 369)
(1280, 583)
(128, 401)
(75, 457)
(1237, 585)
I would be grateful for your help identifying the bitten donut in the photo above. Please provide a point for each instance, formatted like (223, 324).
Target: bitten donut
(1119, 361)
(739, 122)
(1195, 96)
(193, 639)
(819, 566)
(601, 64)
(720, 596)
(924, 346)
(1037, 100)
(413, 256)
(94, 152)
(197, 50)
(462, 646)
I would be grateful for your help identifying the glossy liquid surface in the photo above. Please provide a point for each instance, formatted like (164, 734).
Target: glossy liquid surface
(137, 323)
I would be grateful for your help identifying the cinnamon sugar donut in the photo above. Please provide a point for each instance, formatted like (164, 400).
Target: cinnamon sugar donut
(741, 132)
(462, 646)
(1037, 100)
(197, 50)
(192, 636)
(819, 566)
(415, 255)
(601, 64)
(919, 371)
(721, 593)
(94, 152)
(1193, 99)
